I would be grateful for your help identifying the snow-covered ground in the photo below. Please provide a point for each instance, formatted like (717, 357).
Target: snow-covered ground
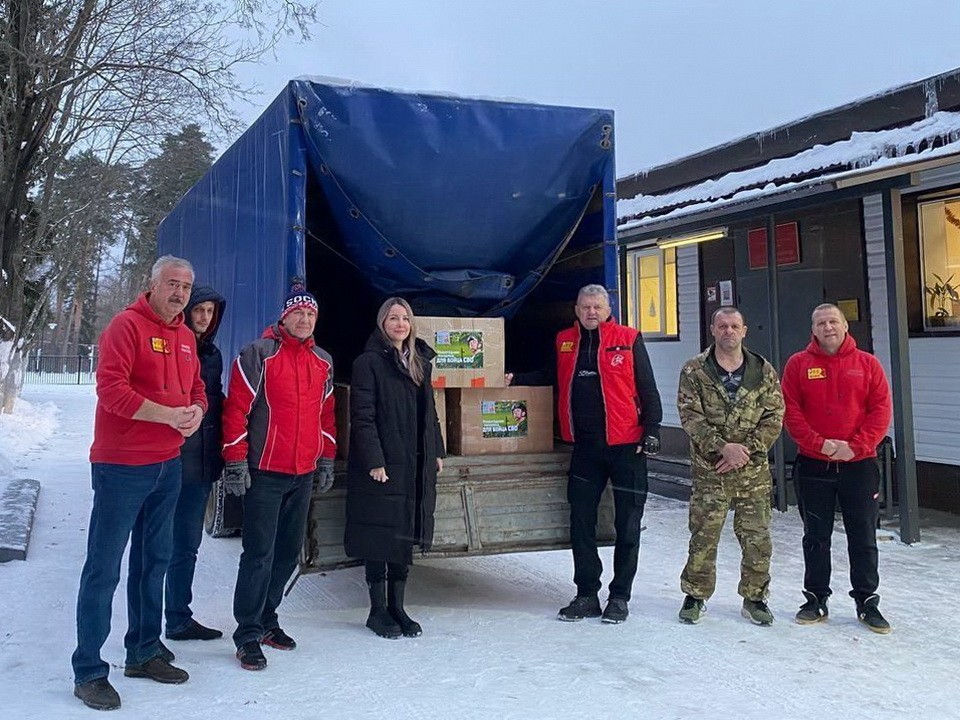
(492, 647)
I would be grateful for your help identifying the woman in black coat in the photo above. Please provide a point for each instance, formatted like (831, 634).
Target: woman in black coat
(396, 451)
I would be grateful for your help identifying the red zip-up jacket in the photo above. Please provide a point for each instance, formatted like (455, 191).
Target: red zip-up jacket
(615, 361)
(279, 413)
(143, 358)
(836, 397)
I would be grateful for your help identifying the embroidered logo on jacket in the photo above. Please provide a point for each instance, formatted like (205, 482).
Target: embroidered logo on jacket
(616, 360)
(160, 345)
(816, 373)
(566, 346)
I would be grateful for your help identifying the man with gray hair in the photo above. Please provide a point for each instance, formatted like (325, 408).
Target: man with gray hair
(149, 398)
(609, 408)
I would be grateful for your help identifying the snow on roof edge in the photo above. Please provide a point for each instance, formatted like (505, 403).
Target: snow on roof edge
(878, 149)
(774, 189)
(355, 84)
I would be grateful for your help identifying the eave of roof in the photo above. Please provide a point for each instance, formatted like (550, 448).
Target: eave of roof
(935, 137)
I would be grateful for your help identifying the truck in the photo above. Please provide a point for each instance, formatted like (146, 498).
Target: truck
(467, 207)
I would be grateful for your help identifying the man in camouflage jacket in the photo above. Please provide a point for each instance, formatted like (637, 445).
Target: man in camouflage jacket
(731, 407)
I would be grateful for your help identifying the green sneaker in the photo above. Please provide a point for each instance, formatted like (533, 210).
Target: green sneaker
(692, 610)
(757, 612)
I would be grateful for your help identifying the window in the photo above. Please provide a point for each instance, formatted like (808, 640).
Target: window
(652, 291)
(940, 263)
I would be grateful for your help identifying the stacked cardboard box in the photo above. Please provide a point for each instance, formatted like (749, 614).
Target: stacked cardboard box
(470, 351)
(483, 421)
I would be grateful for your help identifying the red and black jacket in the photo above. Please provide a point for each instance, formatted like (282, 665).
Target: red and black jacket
(631, 403)
(279, 413)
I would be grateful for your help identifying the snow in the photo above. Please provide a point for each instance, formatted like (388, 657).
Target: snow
(357, 85)
(492, 647)
(874, 150)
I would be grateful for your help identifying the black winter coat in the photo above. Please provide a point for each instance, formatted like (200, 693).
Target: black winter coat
(200, 453)
(393, 424)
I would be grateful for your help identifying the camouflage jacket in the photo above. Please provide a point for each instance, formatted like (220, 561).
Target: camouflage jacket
(711, 420)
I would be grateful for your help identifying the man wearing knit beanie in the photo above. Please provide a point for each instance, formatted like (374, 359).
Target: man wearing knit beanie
(276, 454)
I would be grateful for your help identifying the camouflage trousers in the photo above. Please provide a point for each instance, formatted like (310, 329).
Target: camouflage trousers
(709, 504)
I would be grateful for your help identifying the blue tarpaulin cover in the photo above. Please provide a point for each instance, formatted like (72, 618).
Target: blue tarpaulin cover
(465, 201)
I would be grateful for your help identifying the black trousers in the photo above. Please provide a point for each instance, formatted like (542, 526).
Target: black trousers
(590, 468)
(378, 571)
(819, 486)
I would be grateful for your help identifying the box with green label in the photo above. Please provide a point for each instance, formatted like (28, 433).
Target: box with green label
(469, 350)
(482, 421)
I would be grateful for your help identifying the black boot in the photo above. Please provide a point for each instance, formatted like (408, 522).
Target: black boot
(395, 590)
(380, 620)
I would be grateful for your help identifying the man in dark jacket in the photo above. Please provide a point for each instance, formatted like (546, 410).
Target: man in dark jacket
(609, 408)
(279, 440)
(202, 465)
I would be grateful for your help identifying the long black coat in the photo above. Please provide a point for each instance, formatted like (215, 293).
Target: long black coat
(200, 453)
(393, 424)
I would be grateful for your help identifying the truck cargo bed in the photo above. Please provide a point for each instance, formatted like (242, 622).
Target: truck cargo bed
(485, 505)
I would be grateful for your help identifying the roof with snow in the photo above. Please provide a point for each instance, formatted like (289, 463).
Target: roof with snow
(759, 167)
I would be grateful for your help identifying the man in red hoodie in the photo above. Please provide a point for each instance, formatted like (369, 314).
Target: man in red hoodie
(279, 440)
(149, 398)
(838, 409)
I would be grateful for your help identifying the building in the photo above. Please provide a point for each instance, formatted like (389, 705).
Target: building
(860, 205)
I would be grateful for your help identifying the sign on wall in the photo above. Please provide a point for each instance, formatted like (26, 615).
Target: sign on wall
(787, 242)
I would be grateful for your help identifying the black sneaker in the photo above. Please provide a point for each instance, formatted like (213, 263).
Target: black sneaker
(165, 652)
(159, 670)
(251, 656)
(869, 614)
(194, 631)
(814, 610)
(582, 606)
(692, 610)
(98, 694)
(278, 639)
(616, 611)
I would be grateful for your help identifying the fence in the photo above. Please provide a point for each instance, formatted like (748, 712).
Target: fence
(60, 369)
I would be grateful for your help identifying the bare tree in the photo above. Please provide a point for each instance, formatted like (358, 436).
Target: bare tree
(112, 77)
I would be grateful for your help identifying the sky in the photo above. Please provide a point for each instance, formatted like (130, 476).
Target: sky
(492, 646)
(681, 75)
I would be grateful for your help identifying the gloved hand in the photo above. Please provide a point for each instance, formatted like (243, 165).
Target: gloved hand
(236, 478)
(323, 476)
(651, 444)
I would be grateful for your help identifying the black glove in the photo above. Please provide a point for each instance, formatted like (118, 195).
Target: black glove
(651, 444)
(236, 477)
(323, 476)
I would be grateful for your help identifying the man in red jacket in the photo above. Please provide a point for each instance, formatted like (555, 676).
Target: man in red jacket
(149, 398)
(279, 440)
(837, 411)
(609, 408)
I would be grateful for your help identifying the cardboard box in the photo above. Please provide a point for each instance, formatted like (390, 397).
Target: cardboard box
(341, 399)
(470, 351)
(484, 421)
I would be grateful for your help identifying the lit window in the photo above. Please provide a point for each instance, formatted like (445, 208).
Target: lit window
(940, 263)
(652, 291)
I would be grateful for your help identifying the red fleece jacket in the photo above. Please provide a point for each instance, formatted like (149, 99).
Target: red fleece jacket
(837, 397)
(143, 358)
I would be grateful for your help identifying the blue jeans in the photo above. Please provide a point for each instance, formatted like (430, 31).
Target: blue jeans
(275, 512)
(187, 534)
(132, 502)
